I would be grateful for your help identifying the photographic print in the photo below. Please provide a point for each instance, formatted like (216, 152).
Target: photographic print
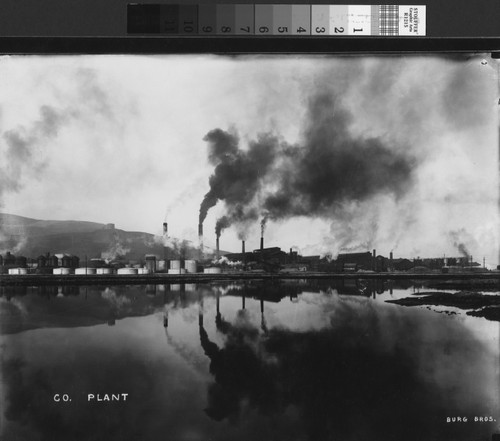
(281, 247)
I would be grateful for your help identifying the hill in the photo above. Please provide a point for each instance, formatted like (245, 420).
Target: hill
(33, 237)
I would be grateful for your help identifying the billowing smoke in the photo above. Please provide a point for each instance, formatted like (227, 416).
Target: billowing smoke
(320, 176)
(333, 168)
(21, 154)
(115, 251)
(221, 224)
(238, 174)
(462, 241)
(263, 226)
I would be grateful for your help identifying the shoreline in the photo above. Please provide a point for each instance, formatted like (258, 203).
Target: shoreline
(161, 278)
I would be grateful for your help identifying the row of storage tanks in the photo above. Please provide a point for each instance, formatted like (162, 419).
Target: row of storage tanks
(171, 267)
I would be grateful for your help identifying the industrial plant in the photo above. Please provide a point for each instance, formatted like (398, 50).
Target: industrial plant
(179, 261)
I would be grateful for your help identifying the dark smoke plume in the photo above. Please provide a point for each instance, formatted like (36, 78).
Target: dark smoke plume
(238, 174)
(221, 224)
(328, 168)
(263, 226)
(462, 240)
(332, 167)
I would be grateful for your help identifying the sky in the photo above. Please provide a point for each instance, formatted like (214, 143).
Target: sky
(335, 153)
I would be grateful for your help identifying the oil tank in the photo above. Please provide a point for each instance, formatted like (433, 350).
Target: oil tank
(212, 270)
(18, 271)
(151, 264)
(177, 271)
(143, 271)
(61, 271)
(85, 271)
(41, 261)
(190, 266)
(53, 261)
(127, 271)
(103, 271)
(175, 264)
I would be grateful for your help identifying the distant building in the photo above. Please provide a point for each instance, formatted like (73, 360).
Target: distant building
(350, 262)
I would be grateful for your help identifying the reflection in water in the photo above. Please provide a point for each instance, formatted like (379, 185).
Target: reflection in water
(314, 360)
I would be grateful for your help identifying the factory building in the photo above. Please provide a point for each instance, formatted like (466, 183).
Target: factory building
(351, 262)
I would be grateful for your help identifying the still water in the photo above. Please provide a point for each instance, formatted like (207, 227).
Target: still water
(286, 360)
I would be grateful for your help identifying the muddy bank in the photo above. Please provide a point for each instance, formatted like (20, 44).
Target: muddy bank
(478, 304)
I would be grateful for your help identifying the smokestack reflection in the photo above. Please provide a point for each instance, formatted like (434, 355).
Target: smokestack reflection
(263, 324)
(200, 311)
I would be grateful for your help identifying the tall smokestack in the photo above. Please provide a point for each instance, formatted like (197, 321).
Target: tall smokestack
(243, 257)
(261, 243)
(165, 236)
(217, 247)
(391, 263)
(200, 240)
(374, 260)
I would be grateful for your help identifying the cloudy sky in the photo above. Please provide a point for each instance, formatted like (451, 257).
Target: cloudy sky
(353, 153)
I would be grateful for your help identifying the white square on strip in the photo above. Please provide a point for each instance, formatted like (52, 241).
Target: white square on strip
(360, 20)
(412, 20)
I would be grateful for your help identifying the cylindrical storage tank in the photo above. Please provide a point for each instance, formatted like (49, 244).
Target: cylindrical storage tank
(175, 264)
(97, 263)
(104, 271)
(161, 265)
(213, 270)
(151, 264)
(75, 261)
(127, 271)
(18, 271)
(66, 261)
(143, 271)
(84, 271)
(41, 261)
(177, 271)
(190, 266)
(61, 271)
(53, 261)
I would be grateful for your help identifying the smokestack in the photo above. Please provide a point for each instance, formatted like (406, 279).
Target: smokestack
(217, 247)
(200, 240)
(261, 243)
(165, 236)
(374, 260)
(243, 252)
(391, 263)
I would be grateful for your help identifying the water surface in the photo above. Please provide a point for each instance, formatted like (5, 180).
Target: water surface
(288, 360)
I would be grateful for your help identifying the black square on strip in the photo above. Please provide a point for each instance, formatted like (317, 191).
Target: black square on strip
(143, 19)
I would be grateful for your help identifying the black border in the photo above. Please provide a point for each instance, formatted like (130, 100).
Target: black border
(243, 45)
